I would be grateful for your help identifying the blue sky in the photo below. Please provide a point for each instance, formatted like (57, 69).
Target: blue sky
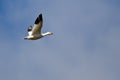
(85, 44)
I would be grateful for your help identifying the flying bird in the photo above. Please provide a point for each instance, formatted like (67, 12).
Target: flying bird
(34, 32)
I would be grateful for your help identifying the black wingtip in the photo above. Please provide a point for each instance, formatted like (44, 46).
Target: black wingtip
(40, 15)
(39, 18)
(29, 28)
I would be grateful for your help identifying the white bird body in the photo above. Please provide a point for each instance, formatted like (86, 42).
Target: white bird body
(35, 32)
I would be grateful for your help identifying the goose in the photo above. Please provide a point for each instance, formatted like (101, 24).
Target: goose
(34, 32)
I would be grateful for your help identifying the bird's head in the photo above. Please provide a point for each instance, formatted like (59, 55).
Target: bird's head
(49, 33)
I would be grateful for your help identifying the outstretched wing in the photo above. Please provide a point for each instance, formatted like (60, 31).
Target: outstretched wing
(37, 25)
(29, 30)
